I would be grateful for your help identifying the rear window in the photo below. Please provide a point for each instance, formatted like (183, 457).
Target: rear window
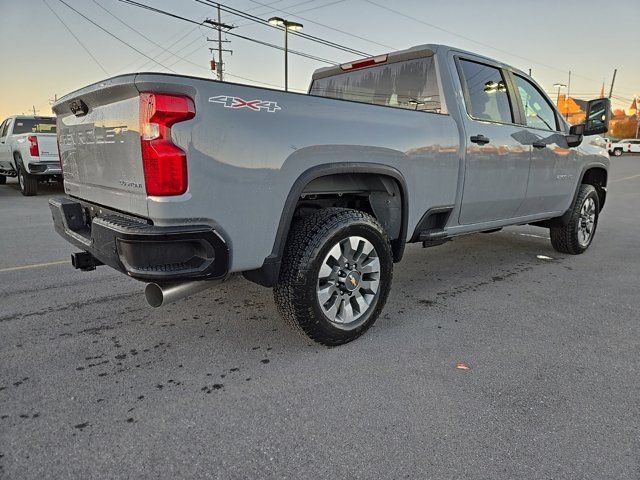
(410, 84)
(34, 125)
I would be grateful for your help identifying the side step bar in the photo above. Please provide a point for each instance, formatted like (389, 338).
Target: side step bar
(433, 237)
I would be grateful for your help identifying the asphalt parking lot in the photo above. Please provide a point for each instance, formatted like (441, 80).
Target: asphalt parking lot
(96, 384)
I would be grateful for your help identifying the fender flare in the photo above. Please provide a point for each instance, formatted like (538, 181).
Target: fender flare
(267, 275)
(564, 218)
(583, 173)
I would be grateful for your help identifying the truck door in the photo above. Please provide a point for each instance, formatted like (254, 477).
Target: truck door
(554, 165)
(5, 149)
(496, 158)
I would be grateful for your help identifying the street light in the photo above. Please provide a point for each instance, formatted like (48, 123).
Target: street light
(286, 26)
(559, 86)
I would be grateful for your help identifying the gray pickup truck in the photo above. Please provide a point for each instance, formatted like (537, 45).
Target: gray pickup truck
(181, 181)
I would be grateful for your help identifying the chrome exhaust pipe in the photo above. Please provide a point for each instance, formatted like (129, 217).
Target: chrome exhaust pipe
(159, 295)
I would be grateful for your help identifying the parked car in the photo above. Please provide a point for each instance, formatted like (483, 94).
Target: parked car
(629, 145)
(181, 181)
(28, 150)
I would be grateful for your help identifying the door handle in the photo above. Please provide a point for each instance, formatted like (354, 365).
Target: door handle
(539, 145)
(480, 139)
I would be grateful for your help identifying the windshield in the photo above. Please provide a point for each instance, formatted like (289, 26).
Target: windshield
(410, 84)
(34, 125)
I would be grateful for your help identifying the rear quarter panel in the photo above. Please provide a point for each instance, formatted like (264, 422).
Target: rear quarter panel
(243, 163)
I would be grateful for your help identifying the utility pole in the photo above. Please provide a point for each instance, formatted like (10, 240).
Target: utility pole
(219, 26)
(568, 92)
(613, 80)
(637, 118)
(53, 100)
(34, 110)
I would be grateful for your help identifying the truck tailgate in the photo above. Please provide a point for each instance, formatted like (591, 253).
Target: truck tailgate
(99, 141)
(47, 146)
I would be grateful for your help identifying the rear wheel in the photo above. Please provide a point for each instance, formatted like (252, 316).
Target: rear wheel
(3, 179)
(576, 236)
(28, 183)
(617, 152)
(335, 276)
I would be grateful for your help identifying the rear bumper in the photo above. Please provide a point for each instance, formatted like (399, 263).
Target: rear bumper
(45, 168)
(138, 249)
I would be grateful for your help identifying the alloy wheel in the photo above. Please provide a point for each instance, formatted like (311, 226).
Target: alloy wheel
(586, 221)
(348, 282)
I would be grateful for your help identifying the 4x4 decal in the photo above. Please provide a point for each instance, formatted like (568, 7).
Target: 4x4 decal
(236, 102)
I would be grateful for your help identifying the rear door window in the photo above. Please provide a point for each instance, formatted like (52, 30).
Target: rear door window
(410, 84)
(486, 93)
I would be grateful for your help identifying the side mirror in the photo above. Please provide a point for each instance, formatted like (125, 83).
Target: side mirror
(598, 116)
(576, 133)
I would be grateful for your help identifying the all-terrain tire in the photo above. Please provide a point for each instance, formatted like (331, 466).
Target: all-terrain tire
(28, 183)
(308, 244)
(565, 239)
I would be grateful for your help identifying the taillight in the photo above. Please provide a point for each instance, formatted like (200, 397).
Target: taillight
(165, 164)
(367, 62)
(34, 151)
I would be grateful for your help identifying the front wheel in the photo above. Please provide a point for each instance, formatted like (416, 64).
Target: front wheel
(576, 236)
(3, 179)
(335, 276)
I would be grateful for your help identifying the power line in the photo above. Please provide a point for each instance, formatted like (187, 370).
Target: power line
(114, 36)
(77, 39)
(384, 7)
(135, 30)
(344, 32)
(254, 40)
(268, 12)
(189, 31)
(306, 36)
(180, 58)
(185, 58)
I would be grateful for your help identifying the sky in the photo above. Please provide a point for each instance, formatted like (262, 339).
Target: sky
(41, 58)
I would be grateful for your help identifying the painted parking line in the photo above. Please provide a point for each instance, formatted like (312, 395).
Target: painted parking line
(35, 265)
(625, 178)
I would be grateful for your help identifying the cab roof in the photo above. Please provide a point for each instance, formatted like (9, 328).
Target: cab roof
(417, 51)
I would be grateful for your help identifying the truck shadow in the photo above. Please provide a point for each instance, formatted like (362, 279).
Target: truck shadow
(12, 188)
(425, 278)
(131, 359)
